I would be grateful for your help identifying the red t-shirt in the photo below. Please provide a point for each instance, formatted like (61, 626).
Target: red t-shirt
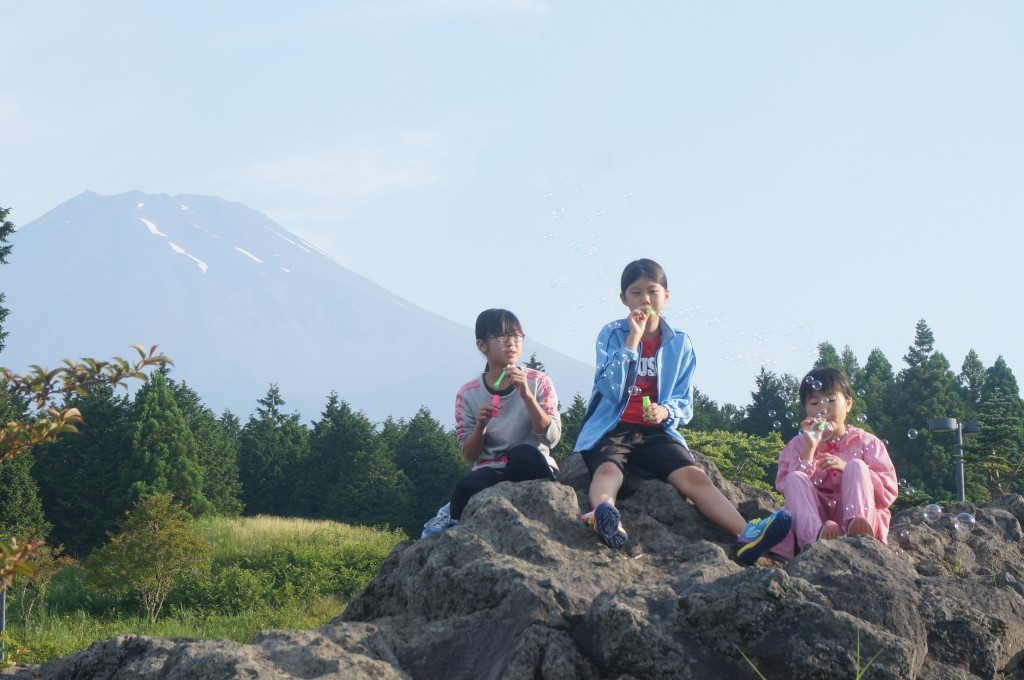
(646, 381)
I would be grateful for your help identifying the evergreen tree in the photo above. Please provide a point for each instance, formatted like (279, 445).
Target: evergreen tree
(708, 416)
(876, 379)
(6, 229)
(535, 363)
(272, 447)
(851, 368)
(80, 476)
(972, 379)
(216, 448)
(572, 421)
(351, 476)
(995, 451)
(767, 406)
(828, 357)
(927, 388)
(999, 379)
(430, 458)
(164, 454)
(21, 511)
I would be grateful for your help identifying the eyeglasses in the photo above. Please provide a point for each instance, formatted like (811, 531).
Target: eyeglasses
(517, 338)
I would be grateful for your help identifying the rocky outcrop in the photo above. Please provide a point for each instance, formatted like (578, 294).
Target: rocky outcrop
(521, 589)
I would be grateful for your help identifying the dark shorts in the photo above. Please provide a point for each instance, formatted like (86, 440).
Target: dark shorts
(649, 450)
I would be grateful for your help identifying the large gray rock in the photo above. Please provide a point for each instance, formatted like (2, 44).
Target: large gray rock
(522, 589)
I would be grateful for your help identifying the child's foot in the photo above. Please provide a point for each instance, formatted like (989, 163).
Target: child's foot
(761, 535)
(605, 520)
(859, 526)
(829, 530)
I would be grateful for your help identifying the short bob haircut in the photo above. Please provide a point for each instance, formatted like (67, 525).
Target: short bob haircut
(496, 322)
(643, 268)
(831, 381)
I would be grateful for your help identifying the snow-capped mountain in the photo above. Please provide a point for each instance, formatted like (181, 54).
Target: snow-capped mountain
(238, 303)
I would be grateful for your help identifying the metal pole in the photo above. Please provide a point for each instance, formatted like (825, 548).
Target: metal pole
(3, 618)
(960, 462)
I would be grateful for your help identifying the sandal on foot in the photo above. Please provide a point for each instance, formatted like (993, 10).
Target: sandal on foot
(829, 530)
(859, 526)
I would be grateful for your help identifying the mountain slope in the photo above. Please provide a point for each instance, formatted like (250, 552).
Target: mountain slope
(237, 302)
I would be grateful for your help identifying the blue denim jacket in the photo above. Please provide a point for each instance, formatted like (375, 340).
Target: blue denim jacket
(617, 371)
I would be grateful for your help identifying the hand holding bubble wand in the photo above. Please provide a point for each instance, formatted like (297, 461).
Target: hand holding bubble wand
(495, 399)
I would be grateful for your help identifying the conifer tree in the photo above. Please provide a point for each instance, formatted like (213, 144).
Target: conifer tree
(572, 421)
(994, 453)
(351, 476)
(216, 448)
(766, 406)
(164, 455)
(6, 229)
(272, 447)
(80, 476)
(828, 357)
(972, 379)
(430, 459)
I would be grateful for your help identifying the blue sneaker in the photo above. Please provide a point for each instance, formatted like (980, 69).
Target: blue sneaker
(761, 535)
(605, 521)
(439, 522)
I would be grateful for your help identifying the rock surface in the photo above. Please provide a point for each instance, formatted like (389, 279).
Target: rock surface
(521, 589)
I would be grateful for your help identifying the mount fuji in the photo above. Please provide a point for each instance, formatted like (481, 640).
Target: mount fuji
(238, 303)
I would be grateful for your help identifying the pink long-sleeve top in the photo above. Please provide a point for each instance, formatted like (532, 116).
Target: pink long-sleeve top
(856, 443)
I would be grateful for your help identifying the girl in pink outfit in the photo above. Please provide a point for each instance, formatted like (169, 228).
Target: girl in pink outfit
(838, 480)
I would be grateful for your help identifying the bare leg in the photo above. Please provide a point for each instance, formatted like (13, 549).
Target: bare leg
(693, 483)
(605, 485)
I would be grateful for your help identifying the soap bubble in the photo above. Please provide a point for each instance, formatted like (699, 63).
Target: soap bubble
(776, 424)
(932, 513)
(903, 536)
(822, 413)
(885, 442)
(816, 385)
(634, 390)
(809, 379)
(902, 481)
(818, 481)
(861, 393)
(789, 415)
(966, 522)
(831, 502)
(771, 414)
(862, 418)
(912, 433)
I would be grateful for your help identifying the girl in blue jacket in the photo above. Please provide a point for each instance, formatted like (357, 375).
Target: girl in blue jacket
(643, 391)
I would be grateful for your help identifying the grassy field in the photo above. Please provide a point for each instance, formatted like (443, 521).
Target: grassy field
(267, 573)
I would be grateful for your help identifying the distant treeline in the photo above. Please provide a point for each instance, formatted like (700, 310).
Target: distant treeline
(397, 473)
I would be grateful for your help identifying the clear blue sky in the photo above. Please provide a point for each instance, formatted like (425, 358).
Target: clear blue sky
(804, 171)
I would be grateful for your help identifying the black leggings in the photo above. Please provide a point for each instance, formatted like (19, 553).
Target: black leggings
(525, 462)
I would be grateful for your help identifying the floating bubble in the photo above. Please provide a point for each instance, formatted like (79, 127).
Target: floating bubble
(816, 385)
(784, 395)
(860, 393)
(911, 490)
(776, 424)
(822, 413)
(862, 418)
(912, 433)
(831, 502)
(771, 414)
(886, 442)
(789, 415)
(809, 379)
(902, 482)
(795, 424)
(818, 481)
(932, 513)
(966, 521)
(634, 390)
(903, 535)
(558, 213)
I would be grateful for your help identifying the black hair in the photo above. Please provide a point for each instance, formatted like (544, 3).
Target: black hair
(496, 322)
(829, 379)
(643, 268)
